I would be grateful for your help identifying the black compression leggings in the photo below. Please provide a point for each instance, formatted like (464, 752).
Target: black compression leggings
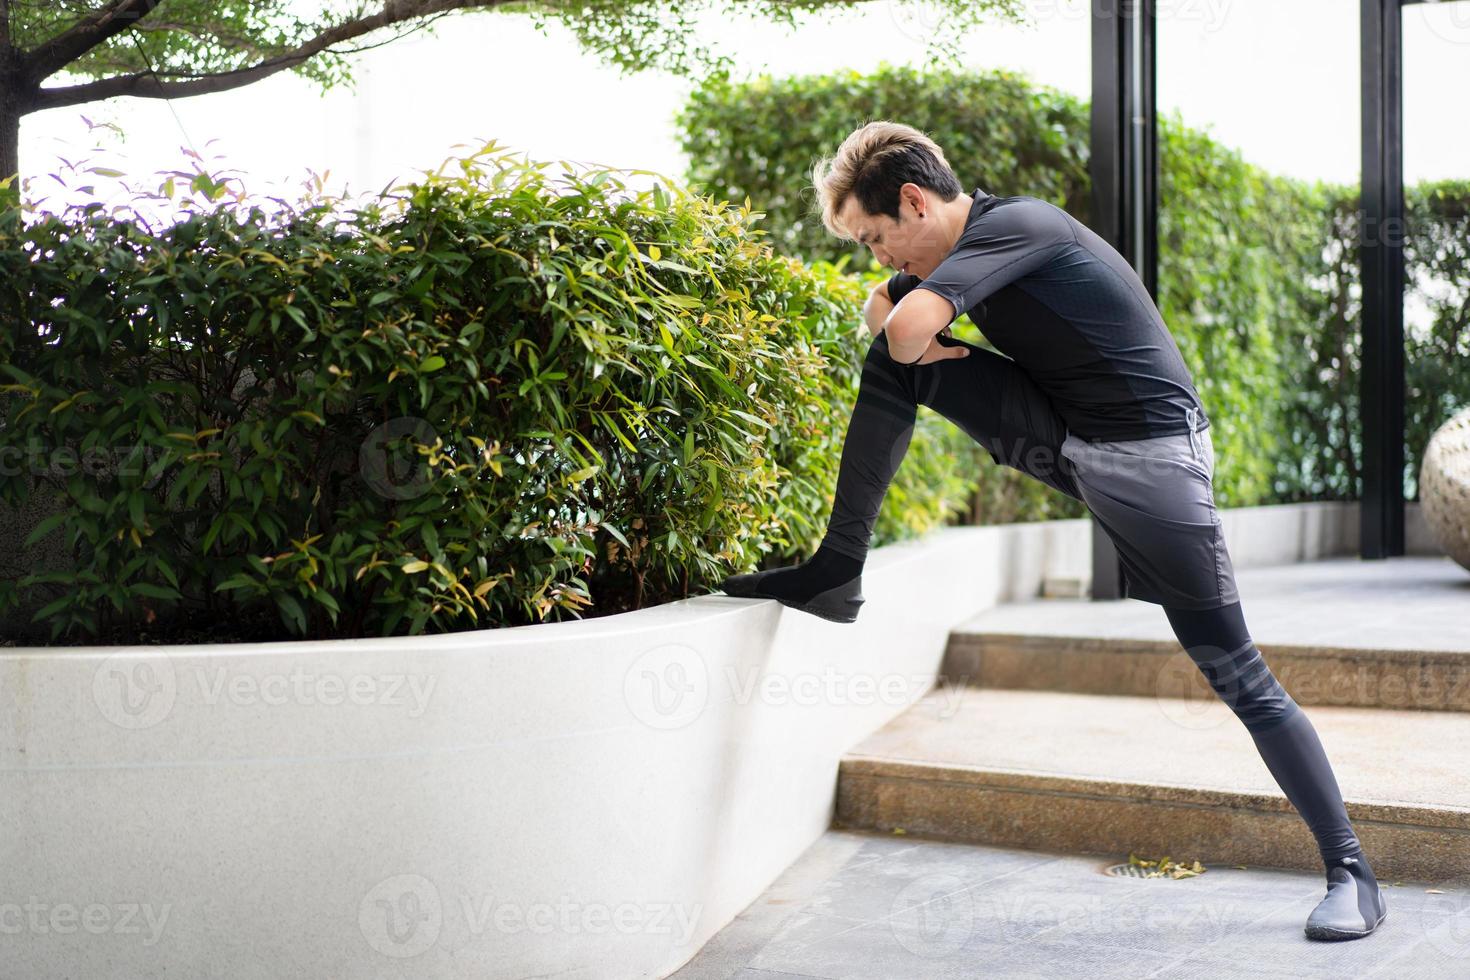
(997, 404)
(1217, 641)
(987, 396)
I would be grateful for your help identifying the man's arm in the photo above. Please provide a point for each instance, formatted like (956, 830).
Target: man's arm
(885, 296)
(1008, 241)
(877, 308)
(914, 322)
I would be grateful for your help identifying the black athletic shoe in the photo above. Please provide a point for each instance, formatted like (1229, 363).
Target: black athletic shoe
(829, 586)
(1354, 905)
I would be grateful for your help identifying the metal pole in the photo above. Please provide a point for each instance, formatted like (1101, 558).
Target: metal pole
(1124, 171)
(1381, 230)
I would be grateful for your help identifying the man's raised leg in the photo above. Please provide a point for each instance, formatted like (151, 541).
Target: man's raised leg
(970, 392)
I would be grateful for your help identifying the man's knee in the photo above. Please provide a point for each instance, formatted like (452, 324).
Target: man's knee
(1244, 681)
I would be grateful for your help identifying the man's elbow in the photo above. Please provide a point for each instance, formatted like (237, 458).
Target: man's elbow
(893, 326)
(916, 320)
(904, 343)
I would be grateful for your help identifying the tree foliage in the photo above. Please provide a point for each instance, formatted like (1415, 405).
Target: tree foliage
(175, 48)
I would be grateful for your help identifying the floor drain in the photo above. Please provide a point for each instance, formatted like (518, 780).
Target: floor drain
(1126, 871)
(1162, 868)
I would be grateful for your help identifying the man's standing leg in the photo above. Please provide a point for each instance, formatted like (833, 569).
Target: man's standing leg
(1217, 641)
(1156, 498)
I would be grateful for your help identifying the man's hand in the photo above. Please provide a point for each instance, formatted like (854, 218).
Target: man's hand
(876, 311)
(939, 352)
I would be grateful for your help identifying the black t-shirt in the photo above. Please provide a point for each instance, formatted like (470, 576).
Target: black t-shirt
(1053, 296)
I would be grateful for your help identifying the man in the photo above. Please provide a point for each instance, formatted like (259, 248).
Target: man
(1093, 398)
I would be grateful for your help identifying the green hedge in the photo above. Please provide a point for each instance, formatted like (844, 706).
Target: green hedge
(997, 130)
(1256, 272)
(1235, 267)
(1437, 350)
(489, 398)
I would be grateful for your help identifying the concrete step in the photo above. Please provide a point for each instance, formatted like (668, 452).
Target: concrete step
(1087, 773)
(1314, 674)
(1346, 632)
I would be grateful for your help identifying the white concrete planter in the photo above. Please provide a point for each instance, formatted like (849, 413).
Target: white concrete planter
(584, 799)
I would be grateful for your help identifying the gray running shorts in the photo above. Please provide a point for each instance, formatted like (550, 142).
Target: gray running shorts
(1155, 499)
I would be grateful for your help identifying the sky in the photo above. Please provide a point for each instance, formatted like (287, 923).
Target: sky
(1278, 81)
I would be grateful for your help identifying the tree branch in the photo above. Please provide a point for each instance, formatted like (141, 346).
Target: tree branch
(243, 44)
(204, 35)
(146, 85)
(49, 58)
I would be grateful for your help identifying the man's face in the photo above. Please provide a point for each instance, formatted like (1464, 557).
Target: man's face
(909, 244)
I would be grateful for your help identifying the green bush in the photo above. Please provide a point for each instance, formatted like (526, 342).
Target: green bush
(1437, 328)
(1236, 263)
(1257, 273)
(488, 398)
(1320, 414)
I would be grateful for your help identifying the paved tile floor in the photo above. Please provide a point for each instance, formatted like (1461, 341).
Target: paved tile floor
(888, 907)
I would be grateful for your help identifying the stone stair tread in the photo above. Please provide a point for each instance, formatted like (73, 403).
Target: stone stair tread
(1403, 764)
(1051, 641)
(1345, 605)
